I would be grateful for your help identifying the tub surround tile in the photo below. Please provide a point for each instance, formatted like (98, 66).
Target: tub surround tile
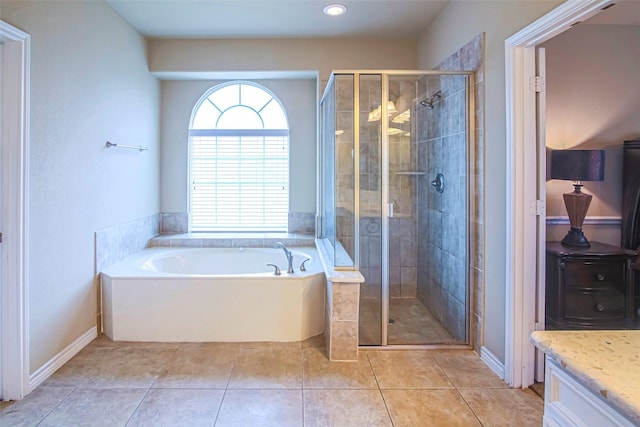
(106, 249)
(342, 307)
(115, 243)
(178, 408)
(429, 407)
(238, 240)
(261, 408)
(174, 222)
(345, 408)
(345, 302)
(302, 222)
(343, 340)
(91, 407)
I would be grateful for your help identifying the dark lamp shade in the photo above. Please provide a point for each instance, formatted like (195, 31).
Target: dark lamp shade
(577, 165)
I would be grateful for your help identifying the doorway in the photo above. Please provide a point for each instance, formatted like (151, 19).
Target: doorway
(14, 94)
(522, 239)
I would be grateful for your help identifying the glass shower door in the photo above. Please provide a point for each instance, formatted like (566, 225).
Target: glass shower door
(427, 198)
(370, 203)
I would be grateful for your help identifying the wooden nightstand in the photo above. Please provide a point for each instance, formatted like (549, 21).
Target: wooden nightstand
(589, 288)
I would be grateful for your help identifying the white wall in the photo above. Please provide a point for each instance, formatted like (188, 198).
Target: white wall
(189, 59)
(299, 100)
(318, 55)
(89, 84)
(592, 103)
(458, 23)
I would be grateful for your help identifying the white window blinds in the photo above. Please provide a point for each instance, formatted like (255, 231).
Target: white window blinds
(239, 176)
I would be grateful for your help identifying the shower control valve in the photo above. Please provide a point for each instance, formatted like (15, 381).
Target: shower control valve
(438, 183)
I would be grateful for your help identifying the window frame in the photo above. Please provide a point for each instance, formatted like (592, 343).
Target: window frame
(249, 132)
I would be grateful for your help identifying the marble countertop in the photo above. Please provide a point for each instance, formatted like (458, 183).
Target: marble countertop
(607, 362)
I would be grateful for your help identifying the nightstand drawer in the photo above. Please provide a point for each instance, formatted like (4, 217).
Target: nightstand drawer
(600, 305)
(594, 274)
(589, 288)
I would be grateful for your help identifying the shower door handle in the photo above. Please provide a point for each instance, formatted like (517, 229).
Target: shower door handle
(390, 209)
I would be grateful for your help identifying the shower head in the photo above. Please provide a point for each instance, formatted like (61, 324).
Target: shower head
(432, 101)
(427, 104)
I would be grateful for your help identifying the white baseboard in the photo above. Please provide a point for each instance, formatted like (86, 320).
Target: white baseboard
(56, 362)
(492, 362)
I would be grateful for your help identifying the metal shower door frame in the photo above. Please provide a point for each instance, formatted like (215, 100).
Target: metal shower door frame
(385, 214)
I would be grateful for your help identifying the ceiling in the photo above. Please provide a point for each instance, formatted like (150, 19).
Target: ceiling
(277, 18)
(304, 18)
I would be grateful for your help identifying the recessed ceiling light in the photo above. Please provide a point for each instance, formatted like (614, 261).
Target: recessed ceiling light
(334, 9)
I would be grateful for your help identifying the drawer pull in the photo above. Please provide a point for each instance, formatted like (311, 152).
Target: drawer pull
(599, 307)
(600, 277)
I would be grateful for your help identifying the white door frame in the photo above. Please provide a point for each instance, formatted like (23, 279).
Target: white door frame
(14, 328)
(520, 313)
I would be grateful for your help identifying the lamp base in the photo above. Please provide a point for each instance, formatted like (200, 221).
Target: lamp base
(575, 237)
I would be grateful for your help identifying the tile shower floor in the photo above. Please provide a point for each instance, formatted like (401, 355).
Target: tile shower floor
(270, 384)
(412, 323)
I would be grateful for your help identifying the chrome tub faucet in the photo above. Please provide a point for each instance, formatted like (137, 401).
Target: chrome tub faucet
(288, 254)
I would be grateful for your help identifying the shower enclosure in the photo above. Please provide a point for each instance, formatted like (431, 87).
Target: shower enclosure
(394, 199)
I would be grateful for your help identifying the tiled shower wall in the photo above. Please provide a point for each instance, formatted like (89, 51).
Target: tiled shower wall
(442, 266)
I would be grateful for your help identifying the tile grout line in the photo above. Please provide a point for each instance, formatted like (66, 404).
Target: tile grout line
(137, 406)
(215, 420)
(455, 387)
(75, 387)
(469, 406)
(165, 368)
(373, 371)
(226, 387)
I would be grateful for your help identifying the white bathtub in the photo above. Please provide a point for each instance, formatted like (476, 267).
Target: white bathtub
(216, 294)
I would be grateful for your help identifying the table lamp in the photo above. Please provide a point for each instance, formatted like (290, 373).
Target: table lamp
(577, 166)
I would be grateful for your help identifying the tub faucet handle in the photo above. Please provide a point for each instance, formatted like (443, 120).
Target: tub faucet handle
(288, 254)
(302, 267)
(277, 271)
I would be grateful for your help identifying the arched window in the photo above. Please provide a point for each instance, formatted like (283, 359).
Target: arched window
(239, 160)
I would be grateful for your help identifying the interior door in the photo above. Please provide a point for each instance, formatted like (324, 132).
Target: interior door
(540, 205)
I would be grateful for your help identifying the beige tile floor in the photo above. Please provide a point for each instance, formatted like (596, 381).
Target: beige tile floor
(270, 384)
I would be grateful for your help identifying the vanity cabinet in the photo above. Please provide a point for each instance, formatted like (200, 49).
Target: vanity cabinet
(568, 402)
(589, 288)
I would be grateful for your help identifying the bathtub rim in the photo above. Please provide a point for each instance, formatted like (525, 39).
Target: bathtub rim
(131, 267)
